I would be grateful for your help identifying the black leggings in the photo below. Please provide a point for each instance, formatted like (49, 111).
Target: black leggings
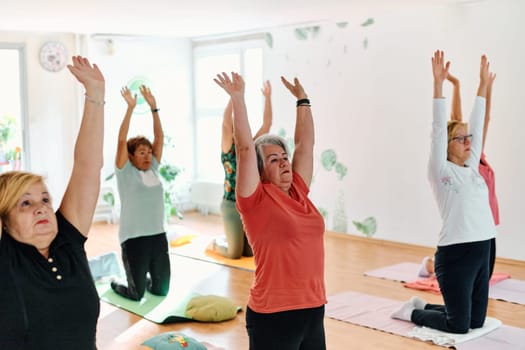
(492, 260)
(286, 330)
(462, 271)
(140, 256)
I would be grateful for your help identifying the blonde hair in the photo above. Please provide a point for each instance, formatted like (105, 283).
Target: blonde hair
(13, 184)
(453, 126)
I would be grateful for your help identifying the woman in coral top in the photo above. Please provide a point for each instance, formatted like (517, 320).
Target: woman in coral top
(286, 303)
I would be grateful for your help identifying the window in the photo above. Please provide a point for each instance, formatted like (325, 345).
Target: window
(245, 57)
(13, 142)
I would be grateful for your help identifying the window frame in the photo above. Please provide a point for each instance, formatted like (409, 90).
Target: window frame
(219, 47)
(24, 120)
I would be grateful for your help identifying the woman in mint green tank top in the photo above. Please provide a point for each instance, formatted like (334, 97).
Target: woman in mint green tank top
(235, 244)
(142, 232)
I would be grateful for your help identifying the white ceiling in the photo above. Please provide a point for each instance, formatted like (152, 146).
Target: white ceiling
(187, 18)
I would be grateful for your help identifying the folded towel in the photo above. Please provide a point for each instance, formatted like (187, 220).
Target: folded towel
(430, 284)
(451, 339)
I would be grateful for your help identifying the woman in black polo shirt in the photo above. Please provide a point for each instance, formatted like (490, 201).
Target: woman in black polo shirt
(47, 297)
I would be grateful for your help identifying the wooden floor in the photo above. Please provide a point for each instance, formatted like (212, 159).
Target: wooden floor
(347, 257)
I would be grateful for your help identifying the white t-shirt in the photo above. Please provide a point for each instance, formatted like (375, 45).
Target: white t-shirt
(461, 192)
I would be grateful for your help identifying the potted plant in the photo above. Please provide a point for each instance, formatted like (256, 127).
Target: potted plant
(7, 131)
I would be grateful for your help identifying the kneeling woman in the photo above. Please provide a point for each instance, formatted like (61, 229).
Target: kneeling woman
(462, 263)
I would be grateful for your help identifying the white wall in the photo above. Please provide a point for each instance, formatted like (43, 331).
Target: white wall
(55, 100)
(52, 111)
(372, 106)
(167, 64)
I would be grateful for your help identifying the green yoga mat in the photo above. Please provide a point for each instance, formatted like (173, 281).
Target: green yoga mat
(158, 309)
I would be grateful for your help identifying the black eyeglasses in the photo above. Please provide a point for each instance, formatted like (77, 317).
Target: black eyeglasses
(462, 139)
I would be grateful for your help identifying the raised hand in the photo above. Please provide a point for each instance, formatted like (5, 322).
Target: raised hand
(484, 72)
(130, 100)
(452, 79)
(296, 88)
(148, 96)
(88, 75)
(492, 77)
(234, 86)
(439, 67)
(266, 89)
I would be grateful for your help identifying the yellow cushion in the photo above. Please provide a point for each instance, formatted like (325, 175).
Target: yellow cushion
(211, 308)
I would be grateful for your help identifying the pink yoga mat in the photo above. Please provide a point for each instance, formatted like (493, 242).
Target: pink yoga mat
(374, 312)
(402, 272)
(501, 288)
(367, 310)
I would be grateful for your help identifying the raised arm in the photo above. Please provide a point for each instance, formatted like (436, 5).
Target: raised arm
(247, 173)
(484, 75)
(267, 116)
(81, 195)
(478, 114)
(440, 72)
(488, 105)
(456, 98)
(438, 147)
(122, 145)
(227, 128)
(158, 134)
(303, 157)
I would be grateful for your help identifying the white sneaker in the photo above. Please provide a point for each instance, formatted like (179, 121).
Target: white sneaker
(423, 271)
(419, 304)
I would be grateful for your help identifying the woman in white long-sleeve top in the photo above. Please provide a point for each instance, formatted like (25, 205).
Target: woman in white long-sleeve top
(462, 257)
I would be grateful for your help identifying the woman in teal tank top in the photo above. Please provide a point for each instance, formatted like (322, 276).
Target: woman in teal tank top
(235, 244)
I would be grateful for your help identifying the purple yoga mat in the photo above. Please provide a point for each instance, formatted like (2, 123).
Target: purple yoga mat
(509, 290)
(503, 338)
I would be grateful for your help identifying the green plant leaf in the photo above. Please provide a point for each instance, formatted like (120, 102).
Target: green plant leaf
(109, 198)
(341, 170)
(368, 227)
(328, 159)
(301, 33)
(269, 39)
(368, 22)
(169, 172)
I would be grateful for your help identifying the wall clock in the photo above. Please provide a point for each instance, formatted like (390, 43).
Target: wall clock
(53, 56)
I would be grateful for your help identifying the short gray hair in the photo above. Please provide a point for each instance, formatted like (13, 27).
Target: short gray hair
(268, 139)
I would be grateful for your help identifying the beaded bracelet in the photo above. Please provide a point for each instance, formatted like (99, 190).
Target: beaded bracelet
(92, 100)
